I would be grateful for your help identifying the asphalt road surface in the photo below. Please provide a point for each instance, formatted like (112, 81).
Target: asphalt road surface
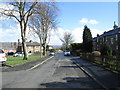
(57, 72)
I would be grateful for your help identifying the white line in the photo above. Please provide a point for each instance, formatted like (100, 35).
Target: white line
(39, 64)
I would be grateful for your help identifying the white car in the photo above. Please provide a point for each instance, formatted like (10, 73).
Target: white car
(67, 53)
(18, 54)
(52, 53)
(3, 57)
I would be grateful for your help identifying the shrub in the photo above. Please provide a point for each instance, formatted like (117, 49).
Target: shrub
(96, 53)
(106, 50)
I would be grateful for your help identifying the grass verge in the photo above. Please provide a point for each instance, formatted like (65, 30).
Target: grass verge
(13, 61)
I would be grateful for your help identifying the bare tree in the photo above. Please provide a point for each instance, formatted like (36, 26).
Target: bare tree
(43, 21)
(67, 39)
(21, 12)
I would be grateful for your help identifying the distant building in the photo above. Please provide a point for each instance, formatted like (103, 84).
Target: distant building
(32, 47)
(8, 46)
(112, 37)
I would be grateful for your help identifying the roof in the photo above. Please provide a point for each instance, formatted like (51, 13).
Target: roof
(30, 44)
(8, 45)
(111, 32)
(94, 39)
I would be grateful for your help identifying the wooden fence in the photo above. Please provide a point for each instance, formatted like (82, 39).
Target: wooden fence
(111, 62)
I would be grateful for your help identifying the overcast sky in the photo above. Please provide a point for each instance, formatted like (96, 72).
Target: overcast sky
(98, 16)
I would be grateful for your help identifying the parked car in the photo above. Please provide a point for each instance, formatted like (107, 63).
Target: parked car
(10, 53)
(19, 54)
(67, 53)
(52, 53)
(3, 57)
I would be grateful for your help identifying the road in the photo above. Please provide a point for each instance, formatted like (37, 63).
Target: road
(57, 72)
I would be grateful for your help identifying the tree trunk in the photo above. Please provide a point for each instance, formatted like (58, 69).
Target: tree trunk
(44, 49)
(40, 48)
(23, 35)
(24, 48)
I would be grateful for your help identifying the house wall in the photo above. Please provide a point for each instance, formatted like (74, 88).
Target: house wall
(113, 40)
(33, 49)
(119, 44)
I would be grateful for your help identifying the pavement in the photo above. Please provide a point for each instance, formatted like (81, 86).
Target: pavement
(104, 77)
(24, 66)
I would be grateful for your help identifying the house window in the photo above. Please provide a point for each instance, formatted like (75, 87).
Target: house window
(116, 47)
(106, 39)
(111, 40)
(30, 52)
(116, 37)
(100, 41)
(103, 39)
(37, 47)
(97, 39)
(30, 46)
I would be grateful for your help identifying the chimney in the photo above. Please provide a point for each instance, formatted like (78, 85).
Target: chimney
(30, 41)
(18, 40)
(115, 26)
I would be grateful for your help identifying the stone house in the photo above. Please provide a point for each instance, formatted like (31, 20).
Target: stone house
(32, 47)
(112, 37)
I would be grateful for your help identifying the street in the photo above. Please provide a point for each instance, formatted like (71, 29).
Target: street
(57, 72)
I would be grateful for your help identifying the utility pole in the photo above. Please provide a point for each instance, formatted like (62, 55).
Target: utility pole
(119, 14)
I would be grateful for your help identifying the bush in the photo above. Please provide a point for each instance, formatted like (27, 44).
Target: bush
(106, 50)
(96, 53)
(76, 48)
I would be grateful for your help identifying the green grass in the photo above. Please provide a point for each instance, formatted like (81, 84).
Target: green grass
(19, 60)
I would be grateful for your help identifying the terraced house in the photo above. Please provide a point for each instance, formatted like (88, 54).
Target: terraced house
(112, 37)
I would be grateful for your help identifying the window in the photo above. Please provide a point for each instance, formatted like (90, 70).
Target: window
(116, 37)
(30, 46)
(106, 39)
(97, 39)
(30, 52)
(103, 39)
(116, 47)
(111, 40)
(36, 46)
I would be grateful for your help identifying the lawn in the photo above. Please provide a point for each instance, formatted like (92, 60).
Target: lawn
(19, 60)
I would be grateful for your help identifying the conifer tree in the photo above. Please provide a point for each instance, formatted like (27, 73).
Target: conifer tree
(87, 39)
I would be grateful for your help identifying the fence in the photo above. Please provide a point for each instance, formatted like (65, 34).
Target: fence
(111, 62)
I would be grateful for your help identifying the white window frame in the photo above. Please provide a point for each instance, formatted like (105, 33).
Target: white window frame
(116, 47)
(111, 40)
(116, 37)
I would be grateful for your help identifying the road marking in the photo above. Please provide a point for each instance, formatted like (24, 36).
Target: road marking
(39, 64)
